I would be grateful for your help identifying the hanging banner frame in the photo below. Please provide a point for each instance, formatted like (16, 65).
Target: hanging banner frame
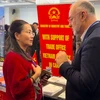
(55, 34)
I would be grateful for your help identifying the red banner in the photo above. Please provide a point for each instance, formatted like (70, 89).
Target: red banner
(55, 34)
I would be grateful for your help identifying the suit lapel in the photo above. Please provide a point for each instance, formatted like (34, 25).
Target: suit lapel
(91, 29)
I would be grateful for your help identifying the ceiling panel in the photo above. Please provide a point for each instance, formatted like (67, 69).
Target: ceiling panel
(76, 0)
(16, 2)
(32, 2)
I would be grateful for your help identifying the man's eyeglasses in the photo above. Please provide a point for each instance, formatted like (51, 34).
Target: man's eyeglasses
(71, 18)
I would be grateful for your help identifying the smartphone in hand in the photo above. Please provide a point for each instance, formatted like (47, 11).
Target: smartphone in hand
(45, 74)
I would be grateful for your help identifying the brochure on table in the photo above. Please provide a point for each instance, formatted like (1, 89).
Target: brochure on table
(51, 89)
(59, 80)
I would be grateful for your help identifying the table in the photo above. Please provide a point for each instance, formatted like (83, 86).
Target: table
(55, 97)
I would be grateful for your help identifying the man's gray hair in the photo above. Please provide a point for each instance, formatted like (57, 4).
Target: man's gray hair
(88, 6)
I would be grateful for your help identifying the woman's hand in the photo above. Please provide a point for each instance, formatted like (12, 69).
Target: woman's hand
(37, 70)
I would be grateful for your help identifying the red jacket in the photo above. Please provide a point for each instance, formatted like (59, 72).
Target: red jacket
(16, 71)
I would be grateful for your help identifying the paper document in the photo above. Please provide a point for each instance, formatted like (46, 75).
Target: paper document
(62, 81)
(51, 89)
(62, 95)
(55, 79)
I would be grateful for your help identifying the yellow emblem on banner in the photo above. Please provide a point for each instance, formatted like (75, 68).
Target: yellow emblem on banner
(54, 14)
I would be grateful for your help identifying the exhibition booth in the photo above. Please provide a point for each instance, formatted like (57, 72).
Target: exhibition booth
(55, 35)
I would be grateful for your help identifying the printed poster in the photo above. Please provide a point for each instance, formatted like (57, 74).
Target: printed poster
(55, 34)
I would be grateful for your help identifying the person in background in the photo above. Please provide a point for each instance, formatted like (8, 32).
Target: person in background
(36, 42)
(21, 74)
(7, 41)
(6, 27)
(34, 45)
(36, 26)
(83, 74)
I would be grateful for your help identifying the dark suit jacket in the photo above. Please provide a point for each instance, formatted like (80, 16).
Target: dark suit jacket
(83, 75)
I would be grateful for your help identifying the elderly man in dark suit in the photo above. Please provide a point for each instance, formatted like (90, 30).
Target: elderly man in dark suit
(83, 74)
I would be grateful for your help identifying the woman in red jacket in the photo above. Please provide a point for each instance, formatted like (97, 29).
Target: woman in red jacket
(20, 73)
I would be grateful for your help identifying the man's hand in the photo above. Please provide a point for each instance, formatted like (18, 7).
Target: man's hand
(61, 57)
